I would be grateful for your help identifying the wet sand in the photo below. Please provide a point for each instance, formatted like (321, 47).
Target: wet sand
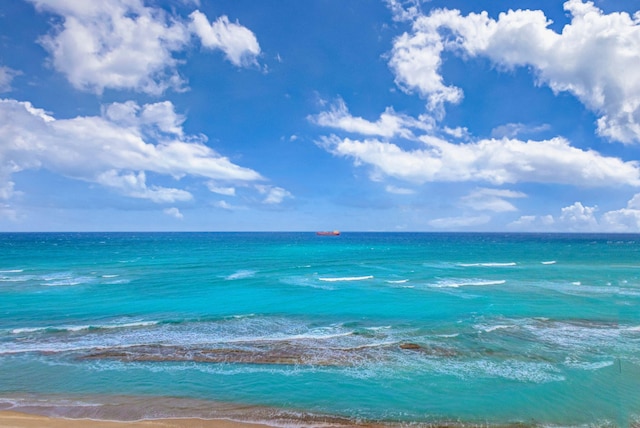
(10, 419)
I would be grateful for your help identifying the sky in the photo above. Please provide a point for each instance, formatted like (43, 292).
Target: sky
(288, 115)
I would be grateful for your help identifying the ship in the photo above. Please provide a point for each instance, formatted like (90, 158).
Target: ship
(328, 233)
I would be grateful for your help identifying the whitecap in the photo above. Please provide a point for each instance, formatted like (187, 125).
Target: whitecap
(550, 262)
(303, 281)
(241, 274)
(76, 328)
(455, 283)
(487, 264)
(347, 278)
(495, 327)
(589, 365)
(12, 271)
(69, 281)
(110, 276)
(399, 281)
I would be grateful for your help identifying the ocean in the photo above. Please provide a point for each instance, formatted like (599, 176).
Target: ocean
(296, 329)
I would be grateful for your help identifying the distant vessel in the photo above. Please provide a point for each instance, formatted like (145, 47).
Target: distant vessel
(329, 233)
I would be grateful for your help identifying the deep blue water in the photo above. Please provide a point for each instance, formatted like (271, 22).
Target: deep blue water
(397, 327)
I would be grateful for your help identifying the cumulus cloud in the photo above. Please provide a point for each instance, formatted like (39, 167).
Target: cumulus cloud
(625, 219)
(483, 199)
(174, 212)
(594, 57)
(125, 45)
(573, 218)
(404, 10)
(274, 195)
(488, 160)
(117, 149)
(238, 43)
(579, 217)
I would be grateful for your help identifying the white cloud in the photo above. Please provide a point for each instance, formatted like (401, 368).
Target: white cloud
(625, 219)
(399, 190)
(125, 45)
(275, 195)
(595, 57)
(173, 212)
(135, 186)
(404, 10)
(455, 223)
(512, 130)
(416, 62)
(583, 218)
(573, 218)
(227, 206)
(238, 43)
(579, 217)
(6, 77)
(493, 161)
(116, 149)
(483, 199)
(390, 123)
(533, 223)
(221, 190)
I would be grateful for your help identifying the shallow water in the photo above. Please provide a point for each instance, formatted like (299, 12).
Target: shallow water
(542, 330)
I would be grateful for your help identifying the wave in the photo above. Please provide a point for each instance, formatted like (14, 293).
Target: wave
(12, 271)
(75, 328)
(488, 264)
(241, 274)
(347, 278)
(491, 328)
(455, 283)
(399, 281)
(23, 278)
(550, 262)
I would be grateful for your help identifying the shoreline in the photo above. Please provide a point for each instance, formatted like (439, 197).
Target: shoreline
(19, 419)
(14, 419)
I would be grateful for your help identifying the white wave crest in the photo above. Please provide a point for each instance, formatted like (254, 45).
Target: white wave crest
(455, 283)
(550, 262)
(74, 328)
(241, 274)
(347, 278)
(487, 264)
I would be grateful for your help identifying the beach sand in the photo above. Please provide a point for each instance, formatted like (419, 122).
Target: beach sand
(9, 419)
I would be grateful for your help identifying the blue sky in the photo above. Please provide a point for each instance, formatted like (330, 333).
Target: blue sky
(326, 114)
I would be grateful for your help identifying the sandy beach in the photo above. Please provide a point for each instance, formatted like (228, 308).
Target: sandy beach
(9, 419)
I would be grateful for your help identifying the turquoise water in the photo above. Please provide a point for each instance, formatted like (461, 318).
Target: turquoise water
(292, 328)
